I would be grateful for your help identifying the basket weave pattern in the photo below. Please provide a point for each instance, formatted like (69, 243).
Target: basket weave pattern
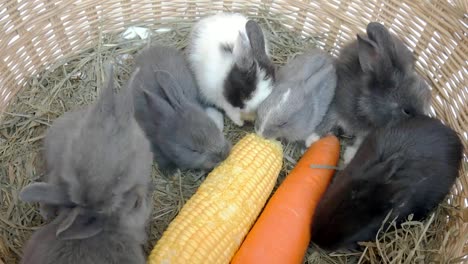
(38, 33)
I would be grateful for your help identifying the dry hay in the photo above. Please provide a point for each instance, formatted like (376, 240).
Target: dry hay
(73, 82)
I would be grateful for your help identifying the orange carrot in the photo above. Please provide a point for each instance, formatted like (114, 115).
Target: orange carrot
(282, 232)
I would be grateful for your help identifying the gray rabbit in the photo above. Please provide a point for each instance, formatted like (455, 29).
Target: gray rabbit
(304, 89)
(73, 238)
(166, 98)
(97, 186)
(377, 85)
(407, 168)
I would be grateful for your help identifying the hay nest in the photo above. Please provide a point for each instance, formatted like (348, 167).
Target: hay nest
(74, 82)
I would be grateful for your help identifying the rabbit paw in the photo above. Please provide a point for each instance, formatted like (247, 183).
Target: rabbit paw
(349, 154)
(350, 151)
(251, 116)
(311, 139)
(235, 116)
(48, 212)
(216, 116)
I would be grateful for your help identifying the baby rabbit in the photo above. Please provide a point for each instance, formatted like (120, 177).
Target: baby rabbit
(377, 85)
(407, 169)
(115, 243)
(229, 57)
(300, 98)
(98, 182)
(180, 131)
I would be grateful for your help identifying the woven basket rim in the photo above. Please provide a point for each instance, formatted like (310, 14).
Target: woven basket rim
(39, 33)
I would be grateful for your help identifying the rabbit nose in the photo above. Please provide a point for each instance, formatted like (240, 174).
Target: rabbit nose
(216, 160)
(223, 155)
(258, 129)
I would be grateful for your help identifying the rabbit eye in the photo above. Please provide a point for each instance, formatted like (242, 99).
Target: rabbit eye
(192, 150)
(283, 124)
(136, 205)
(407, 111)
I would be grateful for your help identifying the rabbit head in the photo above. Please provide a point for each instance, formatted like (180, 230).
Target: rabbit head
(115, 246)
(300, 98)
(187, 136)
(250, 80)
(377, 82)
(87, 219)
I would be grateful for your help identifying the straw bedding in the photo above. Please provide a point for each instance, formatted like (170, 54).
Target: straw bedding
(75, 80)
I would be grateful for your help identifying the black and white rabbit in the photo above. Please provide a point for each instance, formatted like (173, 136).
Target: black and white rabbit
(377, 85)
(97, 188)
(229, 56)
(181, 133)
(407, 168)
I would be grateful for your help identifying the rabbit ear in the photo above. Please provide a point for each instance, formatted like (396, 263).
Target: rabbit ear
(125, 108)
(323, 76)
(44, 193)
(379, 34)
(371, 57)
(386, 168)
(79, 224)
(256, 38)
(400, 55)
(110, 104)
(133, 199)
(157, 105)
(257, 43)
(172, 90)
(106, 102)
(242, 52)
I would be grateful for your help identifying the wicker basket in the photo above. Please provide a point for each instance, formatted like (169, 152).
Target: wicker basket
(36, 33)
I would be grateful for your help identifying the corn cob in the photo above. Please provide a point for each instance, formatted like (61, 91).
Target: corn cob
(214, 221)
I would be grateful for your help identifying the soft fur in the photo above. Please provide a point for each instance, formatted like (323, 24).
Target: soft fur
(182, 135)
(98, 183)
(377, 85)
(300, 98)
(229, 57)
(408, 168)
(114, 245)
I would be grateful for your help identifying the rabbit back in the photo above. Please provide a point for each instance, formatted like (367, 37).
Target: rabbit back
(406, 169)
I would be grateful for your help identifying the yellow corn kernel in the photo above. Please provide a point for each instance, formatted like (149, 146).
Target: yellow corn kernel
(213, 223)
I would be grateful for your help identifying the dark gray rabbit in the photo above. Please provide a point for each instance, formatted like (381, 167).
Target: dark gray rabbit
(166, 97)
(408, 168)
(377, 85)
(304, 89)
(97, 186)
